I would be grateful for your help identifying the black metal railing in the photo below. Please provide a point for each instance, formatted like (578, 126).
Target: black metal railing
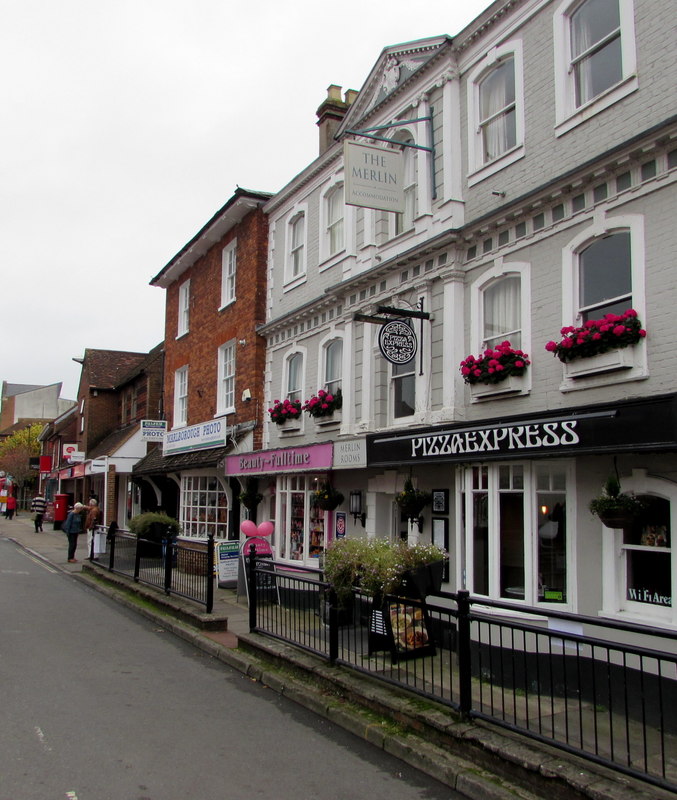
(595, 688)
(175, 567)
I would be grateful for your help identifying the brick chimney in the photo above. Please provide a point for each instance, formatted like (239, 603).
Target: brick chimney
(331, 113)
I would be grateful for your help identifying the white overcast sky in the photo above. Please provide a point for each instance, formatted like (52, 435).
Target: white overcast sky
(126, 124)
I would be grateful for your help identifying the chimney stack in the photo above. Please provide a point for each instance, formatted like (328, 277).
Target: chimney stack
(331, 113)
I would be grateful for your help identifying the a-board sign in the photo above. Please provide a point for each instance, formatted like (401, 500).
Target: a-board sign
(265, 578)
(401, 626)
(227, 554)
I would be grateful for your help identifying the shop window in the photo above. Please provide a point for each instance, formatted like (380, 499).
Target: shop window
(301, 534)
(204, 507)
(595, 58)
(646, 552)
(514, 518)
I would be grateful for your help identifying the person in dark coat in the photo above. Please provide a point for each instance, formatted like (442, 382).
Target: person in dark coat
(73, 526)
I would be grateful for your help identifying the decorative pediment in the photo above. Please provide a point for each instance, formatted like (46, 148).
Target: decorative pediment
(395, 66)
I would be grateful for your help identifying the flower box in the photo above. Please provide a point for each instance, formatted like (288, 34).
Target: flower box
(290, 425)
(511, 385)
(622, 358)
(332, 419)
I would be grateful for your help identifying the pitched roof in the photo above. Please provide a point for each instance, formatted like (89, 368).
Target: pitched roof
(154, 462)
(105, 368)
(112, 442)
(20, 424)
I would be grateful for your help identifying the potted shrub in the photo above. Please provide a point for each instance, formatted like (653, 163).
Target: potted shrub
(327, 497)
(495, 366)
(283, 410)
(155, 525)
(616, 509)
(598, 336)
(323, 404)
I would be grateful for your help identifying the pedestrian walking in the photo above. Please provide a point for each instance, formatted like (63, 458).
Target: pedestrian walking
(38, 507)
(94, 518)
(73, 527)
(10, 508)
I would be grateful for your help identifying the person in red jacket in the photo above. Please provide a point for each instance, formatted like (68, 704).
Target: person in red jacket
(10, 507)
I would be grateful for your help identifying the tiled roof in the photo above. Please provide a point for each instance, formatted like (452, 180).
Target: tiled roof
(105, 368)
(22, 423)
(143, 364)
(156, 463)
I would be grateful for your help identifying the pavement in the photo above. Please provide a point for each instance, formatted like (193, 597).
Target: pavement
(477, 760)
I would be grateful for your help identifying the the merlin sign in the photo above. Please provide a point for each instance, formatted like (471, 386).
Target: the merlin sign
(397, 341)
(374, 176)
(629, 426)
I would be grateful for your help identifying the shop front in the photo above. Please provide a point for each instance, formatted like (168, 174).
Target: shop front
(291, 479)
(519, 490)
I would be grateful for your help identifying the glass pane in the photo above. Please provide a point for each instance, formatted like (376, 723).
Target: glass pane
(480, 574)
(511, 533)
(648, 577)
(552, 577)
(502, 311)
(296, 532)
(404, 396)
(596, 73)
(591, 22)
(605, 270)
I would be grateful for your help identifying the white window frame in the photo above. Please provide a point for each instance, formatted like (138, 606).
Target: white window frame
(181, 397)
(478, 169)
(228, 273)
(334, 188)
(464, 536)
(208, 507)
(614, 576)
(401, 222)
(603, 225)
(225, 392)
(498, 270)
(295, 392)
(336, 383)
(295, 269)
(567, 114)
(183, 322)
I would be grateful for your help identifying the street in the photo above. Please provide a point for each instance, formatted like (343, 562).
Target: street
(101, 704)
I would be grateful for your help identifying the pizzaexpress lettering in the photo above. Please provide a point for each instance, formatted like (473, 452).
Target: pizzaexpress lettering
(518, 437)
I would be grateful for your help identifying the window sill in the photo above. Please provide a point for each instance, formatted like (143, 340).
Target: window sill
(597, 104)
(181, 335)
(224, 413)
(293, 283)
(487, 170)
(226, 304)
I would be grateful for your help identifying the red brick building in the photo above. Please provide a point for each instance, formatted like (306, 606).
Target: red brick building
(214, 365)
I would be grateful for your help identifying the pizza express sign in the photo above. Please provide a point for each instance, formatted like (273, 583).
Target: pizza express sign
(397, 341)
(624, 427)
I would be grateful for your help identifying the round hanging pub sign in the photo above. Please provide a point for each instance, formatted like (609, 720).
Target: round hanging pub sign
(397, 341)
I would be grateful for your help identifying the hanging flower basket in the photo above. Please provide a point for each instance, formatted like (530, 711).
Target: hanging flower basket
(598, 336)
(250, 497)
(495, 365)
(412, 501)
(327, 498)
(614, 508)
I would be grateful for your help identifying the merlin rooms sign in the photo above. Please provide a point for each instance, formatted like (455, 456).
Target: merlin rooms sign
(374, 176)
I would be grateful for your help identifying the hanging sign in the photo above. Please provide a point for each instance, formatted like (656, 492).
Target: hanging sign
(374, 176)
(397, 342)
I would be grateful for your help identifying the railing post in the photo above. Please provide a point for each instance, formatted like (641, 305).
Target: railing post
(333, 626)
(137, 558)
(464, 660)
(210, 573)
(111, 557)
(251, 578)
(168, 551)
